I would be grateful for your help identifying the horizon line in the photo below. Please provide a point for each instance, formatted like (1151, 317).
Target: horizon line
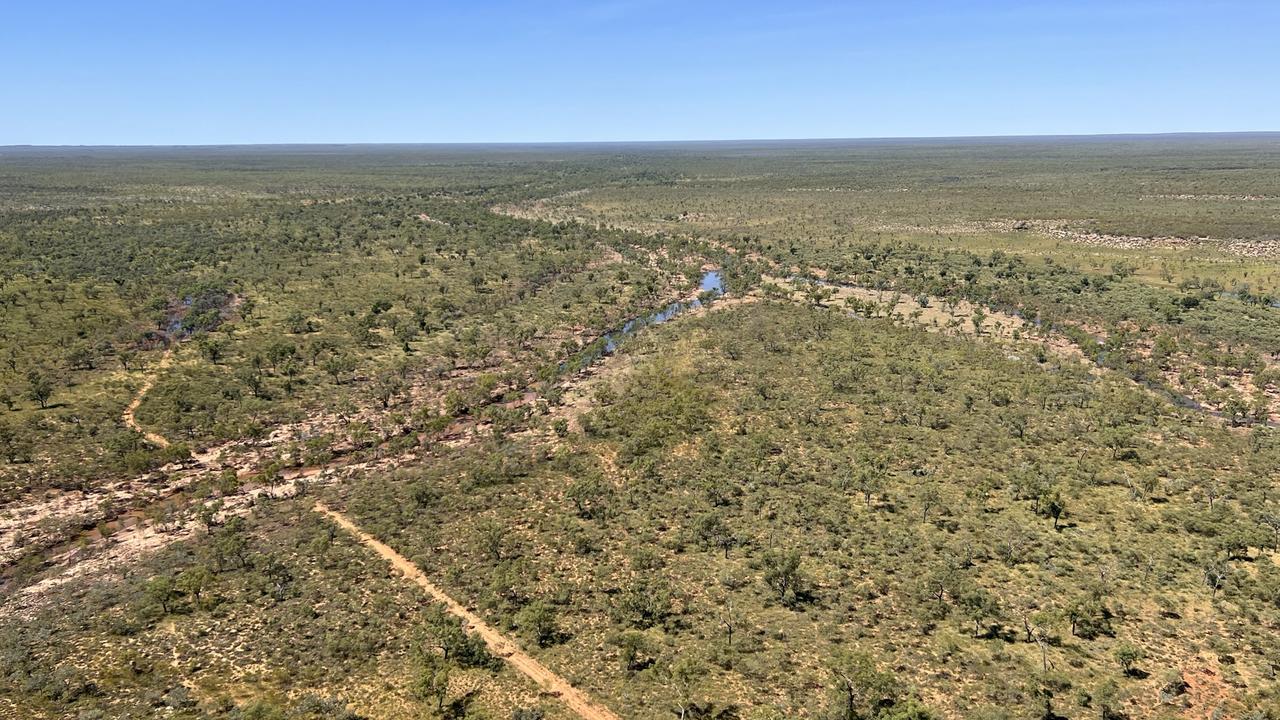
(688, 141)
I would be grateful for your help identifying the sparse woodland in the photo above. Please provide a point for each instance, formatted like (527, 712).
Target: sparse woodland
(976, 430)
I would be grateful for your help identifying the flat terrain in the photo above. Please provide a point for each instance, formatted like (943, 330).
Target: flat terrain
(977, 428)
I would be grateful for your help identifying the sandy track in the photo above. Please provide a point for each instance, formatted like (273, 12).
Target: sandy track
(128, 415)
(499, 644)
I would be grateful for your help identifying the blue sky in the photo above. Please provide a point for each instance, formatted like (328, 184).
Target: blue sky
(201, 72)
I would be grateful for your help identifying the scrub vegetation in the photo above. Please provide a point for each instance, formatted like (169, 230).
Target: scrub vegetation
(971, 429)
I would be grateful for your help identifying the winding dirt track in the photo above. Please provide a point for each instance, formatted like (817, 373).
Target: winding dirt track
(132, 407)
(500, 645)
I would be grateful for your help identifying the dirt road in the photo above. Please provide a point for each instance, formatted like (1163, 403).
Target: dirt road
(499, 644)
(128, 416)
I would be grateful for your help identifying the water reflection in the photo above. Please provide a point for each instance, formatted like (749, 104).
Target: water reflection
(711, 285)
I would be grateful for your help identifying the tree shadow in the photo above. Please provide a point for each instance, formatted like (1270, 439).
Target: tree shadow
(1000, 632)
(459, 707)
(799, 599)
(710, 712)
